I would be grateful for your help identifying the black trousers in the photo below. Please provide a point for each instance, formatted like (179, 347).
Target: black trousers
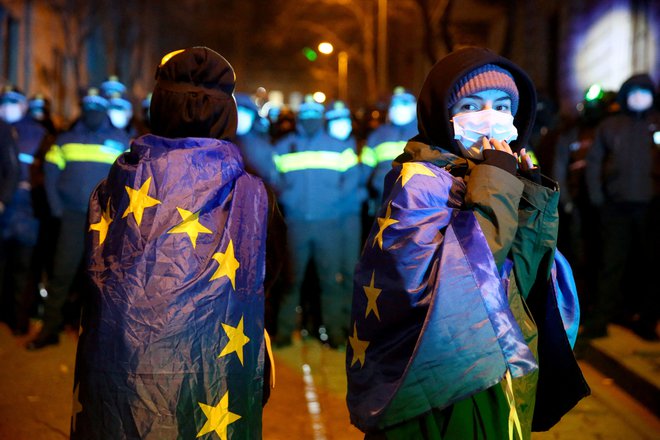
(625, 275)
(68, 255)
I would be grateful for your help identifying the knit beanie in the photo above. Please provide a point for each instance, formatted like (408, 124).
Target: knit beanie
(193, 96)
(486, 77)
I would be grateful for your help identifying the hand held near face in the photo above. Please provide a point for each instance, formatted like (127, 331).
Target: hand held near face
(473, 131)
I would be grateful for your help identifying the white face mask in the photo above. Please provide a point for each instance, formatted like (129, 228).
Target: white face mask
(11, 113)
(245, 121)
(471, 127)
(340, 128)
(402, 114)
(118, 118)
(640, 100)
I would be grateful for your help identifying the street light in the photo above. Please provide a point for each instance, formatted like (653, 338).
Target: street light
(342, 68)
(326, 48)
(342, 75)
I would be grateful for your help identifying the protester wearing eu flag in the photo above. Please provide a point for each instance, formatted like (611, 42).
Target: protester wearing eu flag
(172, 342)
(459, 295)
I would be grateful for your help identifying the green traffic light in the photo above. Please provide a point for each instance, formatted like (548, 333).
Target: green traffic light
(310, 54)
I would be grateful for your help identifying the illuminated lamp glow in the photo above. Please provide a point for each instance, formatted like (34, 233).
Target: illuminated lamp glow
(319, 97)
(595, 92)
(310, 54)
(326, 48)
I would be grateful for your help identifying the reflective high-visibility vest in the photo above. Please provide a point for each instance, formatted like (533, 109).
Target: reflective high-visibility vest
(76, 152)
(305, 160)
(384, 152)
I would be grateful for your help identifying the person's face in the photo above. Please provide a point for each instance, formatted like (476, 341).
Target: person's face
(640, 100)
(484, 100)
(481, 117)
(402, 114)
(340, 128)
(245, 121)
(12, 111)
(119, 117)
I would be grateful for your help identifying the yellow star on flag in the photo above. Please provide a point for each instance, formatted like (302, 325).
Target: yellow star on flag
(190, 225)
(218, 417)
(359, 347)
(139, 200)
(382, 224)
(410, 169)
(237, 339)
(228, 264)
(102, 225)
(372, 296)
(77, 407)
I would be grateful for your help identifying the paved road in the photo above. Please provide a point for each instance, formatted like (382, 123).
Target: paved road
(307, 403)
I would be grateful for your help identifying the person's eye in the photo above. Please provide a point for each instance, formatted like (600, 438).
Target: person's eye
(506, 108)
(469, 107)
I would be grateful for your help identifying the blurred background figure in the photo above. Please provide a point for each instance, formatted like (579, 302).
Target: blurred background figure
(120, 112)
(314, 172)
(120, 109)
(340, 126)
(79, 159)
(386, 142)
(620, 185)
(252, 139)
(9, 168)
(19, 226)
(39, 109)
(282, 122)
(563, 153)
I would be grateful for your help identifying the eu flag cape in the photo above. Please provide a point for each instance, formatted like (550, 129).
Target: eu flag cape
(431, 323)
(171, 342)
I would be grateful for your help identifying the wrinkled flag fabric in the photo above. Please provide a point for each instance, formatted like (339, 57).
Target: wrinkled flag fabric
(431, 323)
(171, 342)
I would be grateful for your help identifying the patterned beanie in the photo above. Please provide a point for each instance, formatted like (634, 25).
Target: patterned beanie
(486, 77)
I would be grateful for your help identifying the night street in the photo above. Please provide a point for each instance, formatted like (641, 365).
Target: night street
(307, 403)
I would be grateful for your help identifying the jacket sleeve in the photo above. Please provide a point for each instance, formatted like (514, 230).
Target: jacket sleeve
(53, 165)
(593, 171)
(494, 195)
(536, 236)
(9, 167)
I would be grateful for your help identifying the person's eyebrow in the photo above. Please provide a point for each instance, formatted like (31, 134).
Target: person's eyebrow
(503, 98)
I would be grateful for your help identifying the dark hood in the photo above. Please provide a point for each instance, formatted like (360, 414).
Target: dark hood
(193, 96)
(642, 81)
(432, 112)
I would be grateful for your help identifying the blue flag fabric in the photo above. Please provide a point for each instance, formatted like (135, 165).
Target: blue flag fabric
(171, 343)
(430, 323)
(565, 291)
